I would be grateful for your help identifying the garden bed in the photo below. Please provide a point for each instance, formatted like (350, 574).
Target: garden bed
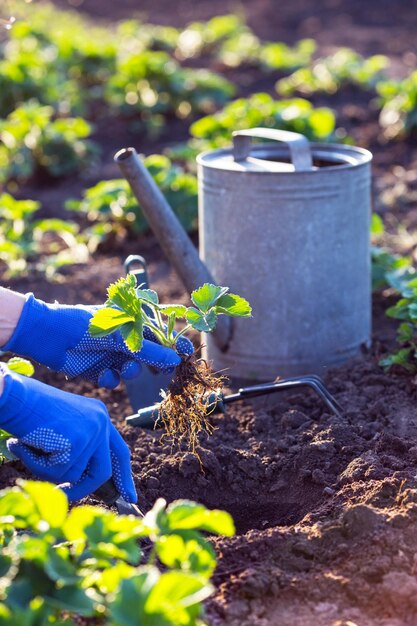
(325, 506)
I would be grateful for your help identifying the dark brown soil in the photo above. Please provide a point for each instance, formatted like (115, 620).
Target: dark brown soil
(325, 506)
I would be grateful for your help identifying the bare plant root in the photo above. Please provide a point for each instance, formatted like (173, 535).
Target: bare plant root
(183, 410)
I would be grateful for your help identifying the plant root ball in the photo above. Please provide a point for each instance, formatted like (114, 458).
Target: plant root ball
(183, 410)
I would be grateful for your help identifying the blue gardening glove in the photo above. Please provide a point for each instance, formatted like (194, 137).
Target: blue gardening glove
(57, 336)
(64, 438)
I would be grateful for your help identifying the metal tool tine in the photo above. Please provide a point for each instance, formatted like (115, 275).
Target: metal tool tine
(290, 383)
(318, 383)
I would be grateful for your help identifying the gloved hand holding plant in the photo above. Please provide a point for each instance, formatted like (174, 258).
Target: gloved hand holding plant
(57, 336)
(134, 313)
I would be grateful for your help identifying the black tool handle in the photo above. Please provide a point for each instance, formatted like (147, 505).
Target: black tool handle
(107, 492)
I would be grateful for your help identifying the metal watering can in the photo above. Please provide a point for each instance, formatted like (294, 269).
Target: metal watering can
(286, 225)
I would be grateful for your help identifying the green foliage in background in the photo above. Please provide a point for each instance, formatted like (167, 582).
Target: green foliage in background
(33, 141)
(261, 109)
(397, 273)
(399, 106)
(153, 86)
(387, 267)
(44, 244)
(329, 74)
(112, 203)
(58, 564)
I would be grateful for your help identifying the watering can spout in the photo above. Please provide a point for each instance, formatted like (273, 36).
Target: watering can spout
(172, 238)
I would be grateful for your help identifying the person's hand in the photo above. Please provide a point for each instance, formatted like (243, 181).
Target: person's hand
(57, 336)
(64, 438)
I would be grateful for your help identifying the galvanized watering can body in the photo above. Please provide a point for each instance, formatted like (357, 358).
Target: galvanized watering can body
(287, 227)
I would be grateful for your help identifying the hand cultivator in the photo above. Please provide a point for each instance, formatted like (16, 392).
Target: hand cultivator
(111, 497)
(148, 417)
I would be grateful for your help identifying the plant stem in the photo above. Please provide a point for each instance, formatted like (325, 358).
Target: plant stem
(182, 332)
(154, 328)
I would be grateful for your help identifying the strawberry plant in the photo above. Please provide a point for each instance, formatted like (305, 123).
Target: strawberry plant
(330, 73)
(404, 310)
(152, 85)
(27, 243)
(59, 565)
(215, 131)
(32, 141)
(398, 117)
(112, 203)
(387, 268)
(132, 310)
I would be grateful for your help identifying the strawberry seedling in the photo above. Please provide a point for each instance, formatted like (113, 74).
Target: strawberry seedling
(131, 309)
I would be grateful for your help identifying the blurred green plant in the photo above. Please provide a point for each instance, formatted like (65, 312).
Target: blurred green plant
(398, 99)
(32, 141)
(44, 244)
(152, 85)
(112, 204)
(397, 273)
(215, 131)
(387, 267)
(329, 74)
(58, 565)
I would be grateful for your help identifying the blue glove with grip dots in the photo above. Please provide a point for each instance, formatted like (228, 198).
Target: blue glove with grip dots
(63, 438)
(57, 336)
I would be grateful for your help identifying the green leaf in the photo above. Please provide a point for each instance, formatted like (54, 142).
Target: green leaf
(122, 294)
(179, 310)
(175, 591)
(184, 514)
(204, 322)
(377, 225)
(149, 295)
(51, 502)
(231, 304)
(399, 358)
(405, 333)
(73, 599)
(105, 321)
(132, 334)
(206, 296)
(187, 551)
(21, 366)
(109, 579)
(128, 606)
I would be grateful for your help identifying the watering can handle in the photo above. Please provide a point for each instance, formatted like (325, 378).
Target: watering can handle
(299, 145)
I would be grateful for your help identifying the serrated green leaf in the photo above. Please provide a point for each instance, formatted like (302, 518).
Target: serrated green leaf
(231, 304)
(132, 334)
(106, 320)
(122, 294)
(206, 296)
(21, 366)
(149, 295)
(204, 322)
(178, 309)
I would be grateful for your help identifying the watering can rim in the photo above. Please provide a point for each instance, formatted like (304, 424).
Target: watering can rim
(209, 158)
